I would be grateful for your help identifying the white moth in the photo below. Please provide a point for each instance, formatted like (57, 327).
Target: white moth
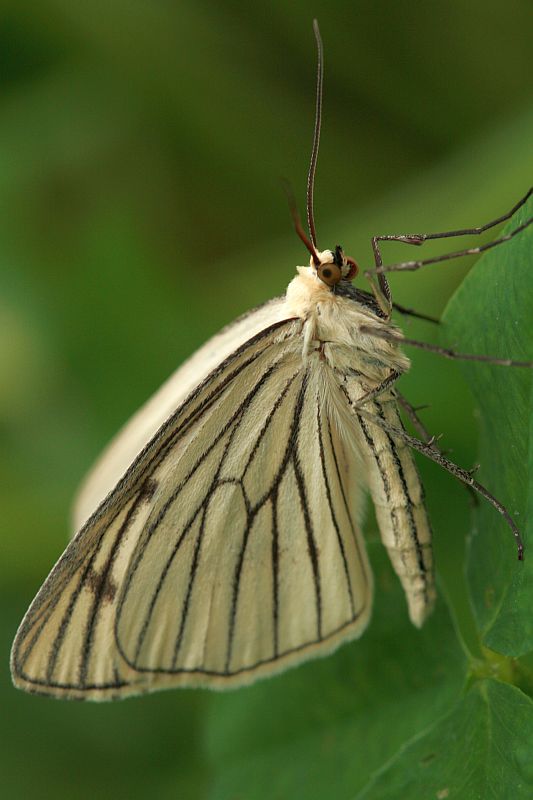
(219, 534)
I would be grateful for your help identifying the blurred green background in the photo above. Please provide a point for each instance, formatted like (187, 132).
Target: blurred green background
(141, 150)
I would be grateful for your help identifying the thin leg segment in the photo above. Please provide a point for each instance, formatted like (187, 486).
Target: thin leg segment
(446, 352)
(431, 441)
(417, 423)
(420, 238)
(461, 474)
(410, 312)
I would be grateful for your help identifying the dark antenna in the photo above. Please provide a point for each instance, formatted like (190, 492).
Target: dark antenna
(316, 135)
(298, 222)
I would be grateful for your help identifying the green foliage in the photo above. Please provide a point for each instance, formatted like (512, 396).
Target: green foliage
(491, 313)
(323, 729)
(140, 150)
(481, 749)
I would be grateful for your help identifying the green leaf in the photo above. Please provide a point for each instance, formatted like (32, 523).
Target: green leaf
(482, 750)
(491, 313)
(321, 730)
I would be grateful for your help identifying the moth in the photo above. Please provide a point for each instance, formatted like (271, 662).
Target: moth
(219, 534)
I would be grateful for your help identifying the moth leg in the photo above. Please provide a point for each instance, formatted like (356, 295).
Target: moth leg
(385, 384)
(431, 441)
(410, 312)
(463, 475)
(420, 238)
(417, 423)
(446, 352)
(380, 288)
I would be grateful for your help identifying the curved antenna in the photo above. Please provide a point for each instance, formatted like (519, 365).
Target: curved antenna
(316, 134)
(298, 223)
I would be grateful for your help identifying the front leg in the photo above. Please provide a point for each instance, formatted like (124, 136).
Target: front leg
(419, 239)
(378, 390)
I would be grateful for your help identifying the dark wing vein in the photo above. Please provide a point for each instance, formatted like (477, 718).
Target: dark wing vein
(268, 495)
(344, 498)
(99, 594)
(311, 541)
(405, 491)
(192, 576)
(331, 508)
(230, 427)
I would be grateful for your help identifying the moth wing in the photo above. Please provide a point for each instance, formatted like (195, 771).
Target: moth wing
(228, 551)
(144, 424)
(264, 567)
(397, 494)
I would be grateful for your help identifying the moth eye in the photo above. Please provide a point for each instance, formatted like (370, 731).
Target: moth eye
(354, 269)
(330, 274)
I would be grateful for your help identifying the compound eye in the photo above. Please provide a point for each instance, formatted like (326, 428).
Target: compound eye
(354, 269)
(330, 274)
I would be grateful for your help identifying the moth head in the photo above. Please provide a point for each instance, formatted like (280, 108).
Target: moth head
(333, 266)
(329, 266)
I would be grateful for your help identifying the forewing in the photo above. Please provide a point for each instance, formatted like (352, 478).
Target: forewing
(142, 427)
(264, 566)
(227, 551)
(65, 644)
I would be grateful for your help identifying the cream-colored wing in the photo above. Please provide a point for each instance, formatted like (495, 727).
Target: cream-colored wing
(139, 430)
(397, 493)
(230, 549)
